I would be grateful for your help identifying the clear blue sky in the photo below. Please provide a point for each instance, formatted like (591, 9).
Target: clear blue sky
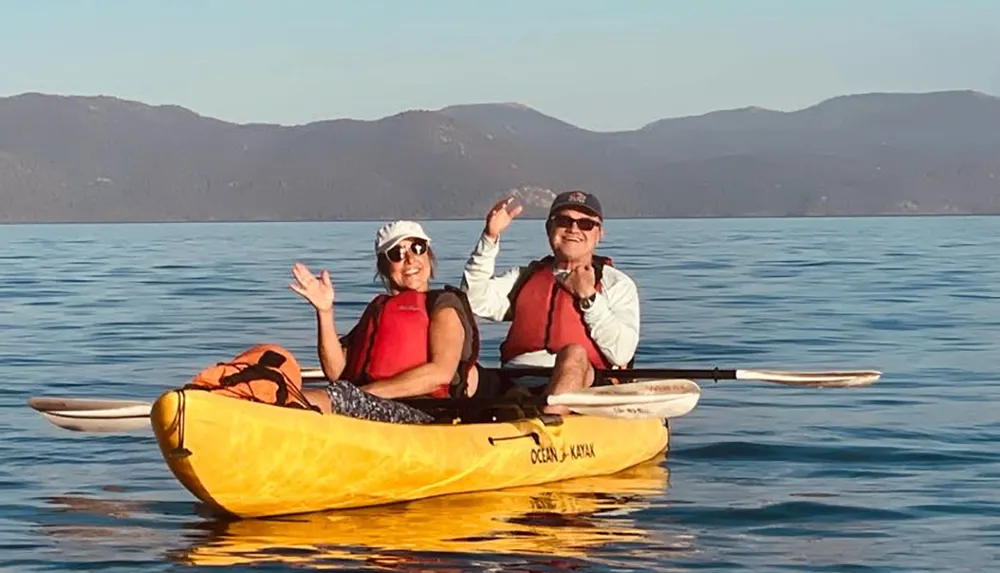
(611, 64)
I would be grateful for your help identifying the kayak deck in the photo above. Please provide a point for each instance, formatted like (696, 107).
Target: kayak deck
(253, 460)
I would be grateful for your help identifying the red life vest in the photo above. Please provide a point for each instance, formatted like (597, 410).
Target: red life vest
(544, 315)
(392, 336)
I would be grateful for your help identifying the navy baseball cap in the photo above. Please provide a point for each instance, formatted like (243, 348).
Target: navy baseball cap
(577, 200)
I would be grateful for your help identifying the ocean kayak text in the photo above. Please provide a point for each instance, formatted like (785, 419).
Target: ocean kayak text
(553, 456)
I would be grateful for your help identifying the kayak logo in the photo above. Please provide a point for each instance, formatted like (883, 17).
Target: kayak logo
(550, 455)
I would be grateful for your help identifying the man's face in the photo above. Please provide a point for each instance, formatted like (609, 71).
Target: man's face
(566, 237)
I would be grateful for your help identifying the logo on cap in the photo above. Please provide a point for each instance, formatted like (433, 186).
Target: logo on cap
(577, 197)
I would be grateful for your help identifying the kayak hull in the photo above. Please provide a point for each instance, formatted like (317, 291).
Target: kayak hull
(566, 519)
(254, 460)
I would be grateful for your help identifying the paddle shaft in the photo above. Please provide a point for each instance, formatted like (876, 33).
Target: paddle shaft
(662, 399)
(545, 372)
(804, 379)
(714, 374)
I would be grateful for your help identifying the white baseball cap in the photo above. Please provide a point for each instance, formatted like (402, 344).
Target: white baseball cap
(392, 233)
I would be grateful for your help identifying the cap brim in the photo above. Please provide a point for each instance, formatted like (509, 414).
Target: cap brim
(396, 240)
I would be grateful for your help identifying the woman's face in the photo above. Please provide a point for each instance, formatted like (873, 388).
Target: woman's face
(409, 265)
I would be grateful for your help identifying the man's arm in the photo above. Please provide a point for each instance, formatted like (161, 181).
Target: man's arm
(487, 294)
(613, 319)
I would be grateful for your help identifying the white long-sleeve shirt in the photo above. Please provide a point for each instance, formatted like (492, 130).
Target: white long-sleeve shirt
(613, 319)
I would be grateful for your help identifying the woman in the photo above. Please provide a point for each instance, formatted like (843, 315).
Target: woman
(412, 342)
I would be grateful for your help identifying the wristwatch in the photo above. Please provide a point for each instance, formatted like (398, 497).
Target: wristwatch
(586, 303)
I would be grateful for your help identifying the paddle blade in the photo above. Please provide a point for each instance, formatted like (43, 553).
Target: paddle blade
(648, 399)
(314, 374)
(844, 379)
(666, 409)
(93, 415)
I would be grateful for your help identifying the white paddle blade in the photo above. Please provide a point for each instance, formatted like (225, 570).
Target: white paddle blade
(315, 374)
(649, 399)
(644, 392)
(664, 409)
(89, 415)
(846, 379)
(77, 423)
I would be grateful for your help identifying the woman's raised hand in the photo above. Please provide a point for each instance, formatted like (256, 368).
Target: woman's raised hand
(317, 290)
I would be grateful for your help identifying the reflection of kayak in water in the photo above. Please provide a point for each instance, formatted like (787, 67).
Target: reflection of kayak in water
(562, 519)
(255, 460)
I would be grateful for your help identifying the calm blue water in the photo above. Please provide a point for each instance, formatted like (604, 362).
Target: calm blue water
(900, 476)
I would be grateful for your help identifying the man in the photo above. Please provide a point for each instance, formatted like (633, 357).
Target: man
(572, 311)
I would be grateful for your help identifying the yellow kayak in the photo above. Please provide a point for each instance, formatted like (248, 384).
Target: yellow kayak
(255, 460)
(566, 519)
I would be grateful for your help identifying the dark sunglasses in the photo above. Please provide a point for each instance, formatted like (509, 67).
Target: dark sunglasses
(417, 247)
(566, 222)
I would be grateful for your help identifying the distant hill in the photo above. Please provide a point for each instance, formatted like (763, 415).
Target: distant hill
(68, 158)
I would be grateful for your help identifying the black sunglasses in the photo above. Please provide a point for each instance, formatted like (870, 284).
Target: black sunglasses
(417, 247)
(566, 222)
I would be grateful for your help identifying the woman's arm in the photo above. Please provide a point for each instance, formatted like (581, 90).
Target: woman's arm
(320, 293)
(332, 356)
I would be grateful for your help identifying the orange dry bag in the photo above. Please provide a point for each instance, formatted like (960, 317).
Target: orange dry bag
(265, 373)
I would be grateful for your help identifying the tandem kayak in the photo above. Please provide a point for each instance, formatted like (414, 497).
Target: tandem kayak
(254, 460)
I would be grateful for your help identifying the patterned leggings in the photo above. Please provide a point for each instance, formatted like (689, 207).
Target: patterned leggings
(349, 400)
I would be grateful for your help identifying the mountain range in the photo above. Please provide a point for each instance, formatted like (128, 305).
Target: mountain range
(89, 159)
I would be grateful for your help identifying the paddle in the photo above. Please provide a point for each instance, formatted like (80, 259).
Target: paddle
(807, 379)
(661, 399)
